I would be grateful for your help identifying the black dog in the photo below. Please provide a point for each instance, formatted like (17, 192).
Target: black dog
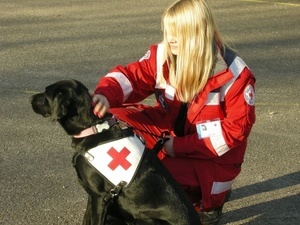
(151, 197)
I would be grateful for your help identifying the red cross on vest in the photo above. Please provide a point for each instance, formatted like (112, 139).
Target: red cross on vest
(119, 158)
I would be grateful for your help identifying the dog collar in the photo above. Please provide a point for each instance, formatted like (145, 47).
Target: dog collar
(98, 128)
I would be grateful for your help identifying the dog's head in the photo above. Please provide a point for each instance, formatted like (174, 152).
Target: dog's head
(68, 102)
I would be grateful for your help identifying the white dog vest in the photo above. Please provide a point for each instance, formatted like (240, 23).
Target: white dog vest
(117, 160)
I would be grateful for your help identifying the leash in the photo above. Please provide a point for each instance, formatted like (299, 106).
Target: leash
(99, 128)
(160, 143)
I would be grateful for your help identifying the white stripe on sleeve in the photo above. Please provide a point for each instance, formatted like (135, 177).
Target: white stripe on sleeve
(236, 67)
(124, 83)
(217, 139)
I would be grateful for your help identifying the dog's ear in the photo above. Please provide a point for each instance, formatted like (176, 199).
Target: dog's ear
(60, 106)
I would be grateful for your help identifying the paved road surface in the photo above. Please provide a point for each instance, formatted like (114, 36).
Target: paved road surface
(45, 41)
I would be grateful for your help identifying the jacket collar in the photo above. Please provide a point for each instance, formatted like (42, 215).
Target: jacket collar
(221, 76)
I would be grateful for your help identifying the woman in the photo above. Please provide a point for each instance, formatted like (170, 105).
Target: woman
(205, 100)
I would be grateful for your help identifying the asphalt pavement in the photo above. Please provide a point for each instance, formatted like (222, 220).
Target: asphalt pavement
(43, 41)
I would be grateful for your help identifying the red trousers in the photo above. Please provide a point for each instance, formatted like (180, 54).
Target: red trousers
(196, 176)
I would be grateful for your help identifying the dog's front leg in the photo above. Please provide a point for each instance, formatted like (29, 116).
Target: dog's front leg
(95, 211)
(87, 219)
(98, 210)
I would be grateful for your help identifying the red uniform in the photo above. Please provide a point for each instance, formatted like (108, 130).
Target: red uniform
(213, 137)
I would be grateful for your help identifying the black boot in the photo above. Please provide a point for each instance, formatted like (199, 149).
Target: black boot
(213, 217)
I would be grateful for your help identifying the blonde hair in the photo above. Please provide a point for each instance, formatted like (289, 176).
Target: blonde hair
(192, 23)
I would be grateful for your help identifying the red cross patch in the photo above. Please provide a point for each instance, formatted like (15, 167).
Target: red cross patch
(249, 95)
(119, 158)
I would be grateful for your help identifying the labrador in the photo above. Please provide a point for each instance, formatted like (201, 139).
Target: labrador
(105, 148)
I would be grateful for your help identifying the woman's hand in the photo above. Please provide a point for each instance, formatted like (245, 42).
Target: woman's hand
(100, 103)
(168, 147)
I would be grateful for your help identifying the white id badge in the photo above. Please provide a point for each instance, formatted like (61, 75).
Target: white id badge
(208, 128)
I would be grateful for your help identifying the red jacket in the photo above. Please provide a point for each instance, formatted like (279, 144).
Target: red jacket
(218, 120)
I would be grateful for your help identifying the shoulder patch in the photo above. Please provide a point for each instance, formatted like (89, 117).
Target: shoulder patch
(249, 95)
(146, 56)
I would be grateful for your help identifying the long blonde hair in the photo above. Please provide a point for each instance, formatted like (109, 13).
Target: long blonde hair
(192, 22)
